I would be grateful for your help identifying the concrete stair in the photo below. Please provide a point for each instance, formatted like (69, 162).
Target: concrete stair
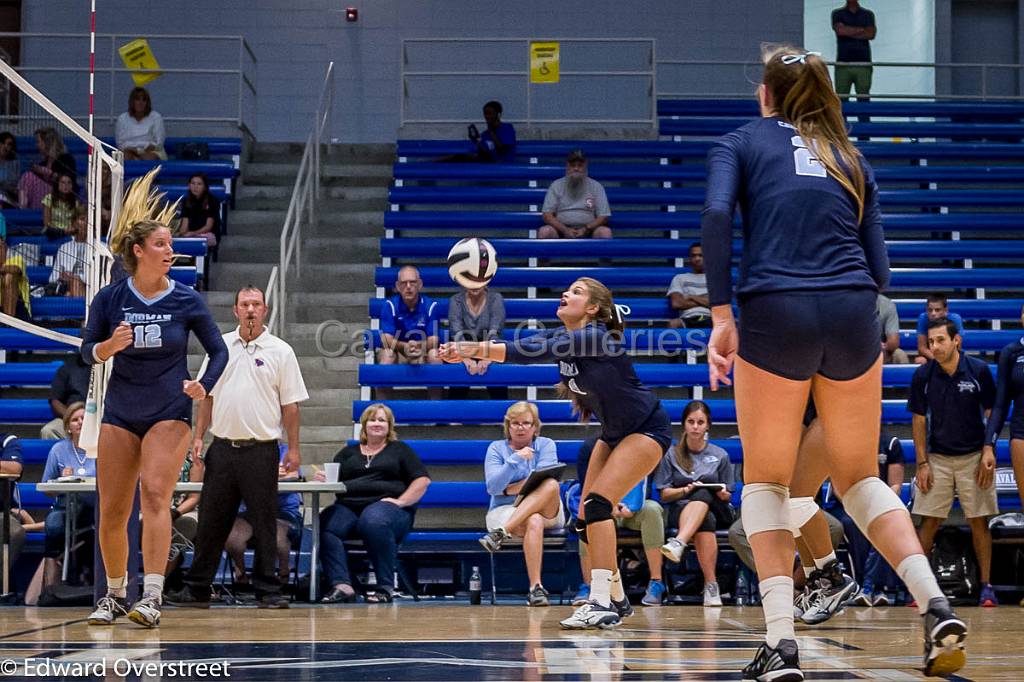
(327, 303)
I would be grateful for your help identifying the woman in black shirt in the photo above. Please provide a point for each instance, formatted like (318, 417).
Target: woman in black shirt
(384, 479)
(200, 212)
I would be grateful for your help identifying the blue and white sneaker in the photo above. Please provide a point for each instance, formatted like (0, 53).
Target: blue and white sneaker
(655, 594)
(592, 615)
(863, 598)
(832, 589)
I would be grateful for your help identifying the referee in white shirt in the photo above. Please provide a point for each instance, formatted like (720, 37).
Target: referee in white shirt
(255, 403)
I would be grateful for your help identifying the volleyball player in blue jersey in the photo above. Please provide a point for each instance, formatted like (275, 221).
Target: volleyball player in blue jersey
(143, 322)
(813, 262)
(597, 374)
(1009, 391)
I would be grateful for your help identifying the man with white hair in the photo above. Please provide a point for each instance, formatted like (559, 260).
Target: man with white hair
(576, 205)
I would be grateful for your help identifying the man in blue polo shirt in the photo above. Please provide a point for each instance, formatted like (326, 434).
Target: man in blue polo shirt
(936, 307)
(409, 326)
(951, 397)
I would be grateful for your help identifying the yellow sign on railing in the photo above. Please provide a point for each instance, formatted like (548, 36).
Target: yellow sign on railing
(137, 55)
(544, 59)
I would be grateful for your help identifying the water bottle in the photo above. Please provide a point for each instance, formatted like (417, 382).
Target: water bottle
(742, 588)
(475, 583)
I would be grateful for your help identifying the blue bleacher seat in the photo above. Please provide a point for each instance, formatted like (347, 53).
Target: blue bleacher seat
(40, 274)
(186, 246)
(218, 146)
(658, 278)
(640, 340)
(32, 498)
(25, 411)
(28, 373)
(15, 339)
(213, 170)
(35, 450)
(556, 411)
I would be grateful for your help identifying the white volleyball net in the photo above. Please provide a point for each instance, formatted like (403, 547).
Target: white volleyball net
(59, 274)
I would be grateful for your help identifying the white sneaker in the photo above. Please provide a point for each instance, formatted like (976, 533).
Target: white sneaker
(802, 602)
(592, 615)
(673, 550)
(108, 609)
(712, 597)
(146, 611)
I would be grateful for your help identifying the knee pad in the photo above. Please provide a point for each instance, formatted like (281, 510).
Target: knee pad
(765, 508)
(580, 526)
(869, 498)
(801, 510)
(596, 508)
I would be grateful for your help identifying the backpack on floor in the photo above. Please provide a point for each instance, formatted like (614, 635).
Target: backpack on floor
(955, 566)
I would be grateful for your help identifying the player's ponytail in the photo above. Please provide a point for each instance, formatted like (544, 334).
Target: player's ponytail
(803, 95)
(142, 213)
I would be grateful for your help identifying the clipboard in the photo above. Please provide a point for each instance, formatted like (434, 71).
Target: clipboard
(538, 476)
(708, 486)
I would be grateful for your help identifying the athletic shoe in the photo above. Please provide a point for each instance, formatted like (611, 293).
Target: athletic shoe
(863, 598)
(108, 609)
(712, 597)
(673, 550)
(274, 601)
(492, 541)
(655, 594)
(781, 664)
(832, 589)
(538, 596)
(988, 596)
(146, 611)
(185, 598)
(592, 615)
(582, 595)
(802, 601)
(944, 636)
(623, 608)
(880, 599)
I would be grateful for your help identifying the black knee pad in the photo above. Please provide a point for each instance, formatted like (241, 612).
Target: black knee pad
(597, 508)
(580, 526)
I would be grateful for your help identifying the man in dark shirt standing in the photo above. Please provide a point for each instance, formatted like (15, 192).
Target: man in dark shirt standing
(854, 27)
(951, 397)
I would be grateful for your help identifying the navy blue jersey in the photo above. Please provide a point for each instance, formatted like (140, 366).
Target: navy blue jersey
(1009, 389)
(800, 227)
(146, 380)
(594, 365)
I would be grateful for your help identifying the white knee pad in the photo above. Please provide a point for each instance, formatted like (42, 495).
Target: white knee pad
(869, 498)
(765, 507)
(801, 510)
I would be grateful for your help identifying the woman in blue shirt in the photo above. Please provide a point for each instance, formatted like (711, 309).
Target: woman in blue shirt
(598, 376)
(508, 464)
(813, 263)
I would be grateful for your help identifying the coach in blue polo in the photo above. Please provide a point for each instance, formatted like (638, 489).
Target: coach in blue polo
(409, 326)
(951, 397)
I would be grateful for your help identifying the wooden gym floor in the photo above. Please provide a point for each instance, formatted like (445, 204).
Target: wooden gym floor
(455, 641)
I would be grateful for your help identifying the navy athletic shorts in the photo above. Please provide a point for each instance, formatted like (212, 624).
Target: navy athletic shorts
(657, 426)
(797, 334)
(140, 428)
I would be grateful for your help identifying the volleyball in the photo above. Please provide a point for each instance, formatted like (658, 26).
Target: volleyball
(472, 263)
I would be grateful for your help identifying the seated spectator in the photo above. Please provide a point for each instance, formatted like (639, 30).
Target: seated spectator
(889, 319)
(476, 315)
(634, 512)
(139, 132)
(69, 266)
(13, 282)
(575, 206)
(289, 529)
(70, 385)
(37, 182)
(200, 212)
(936, 306)
(409, 326)
(384, 480)
(59, 207)
(950, 398)
(10, 463)
(10, 171)
(498, 141)
(688, 293)
(66, 458)
(741, 545)
(877, 579)
(184, 520)
(696, 511)
(507, 465)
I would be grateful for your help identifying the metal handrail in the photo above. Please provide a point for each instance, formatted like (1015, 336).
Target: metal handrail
(303, 204)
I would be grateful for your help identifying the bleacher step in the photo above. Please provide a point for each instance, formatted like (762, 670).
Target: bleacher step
(362, 175)
(324, 278)
(336, 200)
(315, 250)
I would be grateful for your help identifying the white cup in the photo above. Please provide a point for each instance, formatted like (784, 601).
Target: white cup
(331, 471)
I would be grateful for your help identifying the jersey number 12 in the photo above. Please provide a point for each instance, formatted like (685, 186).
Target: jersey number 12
(148, 336)
(804, 161)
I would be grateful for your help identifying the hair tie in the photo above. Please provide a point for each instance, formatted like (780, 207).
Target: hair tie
(797, 58)
(621, 311)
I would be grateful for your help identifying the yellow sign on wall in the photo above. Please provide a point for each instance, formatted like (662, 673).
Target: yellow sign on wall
(544, 62)
(137, 55)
